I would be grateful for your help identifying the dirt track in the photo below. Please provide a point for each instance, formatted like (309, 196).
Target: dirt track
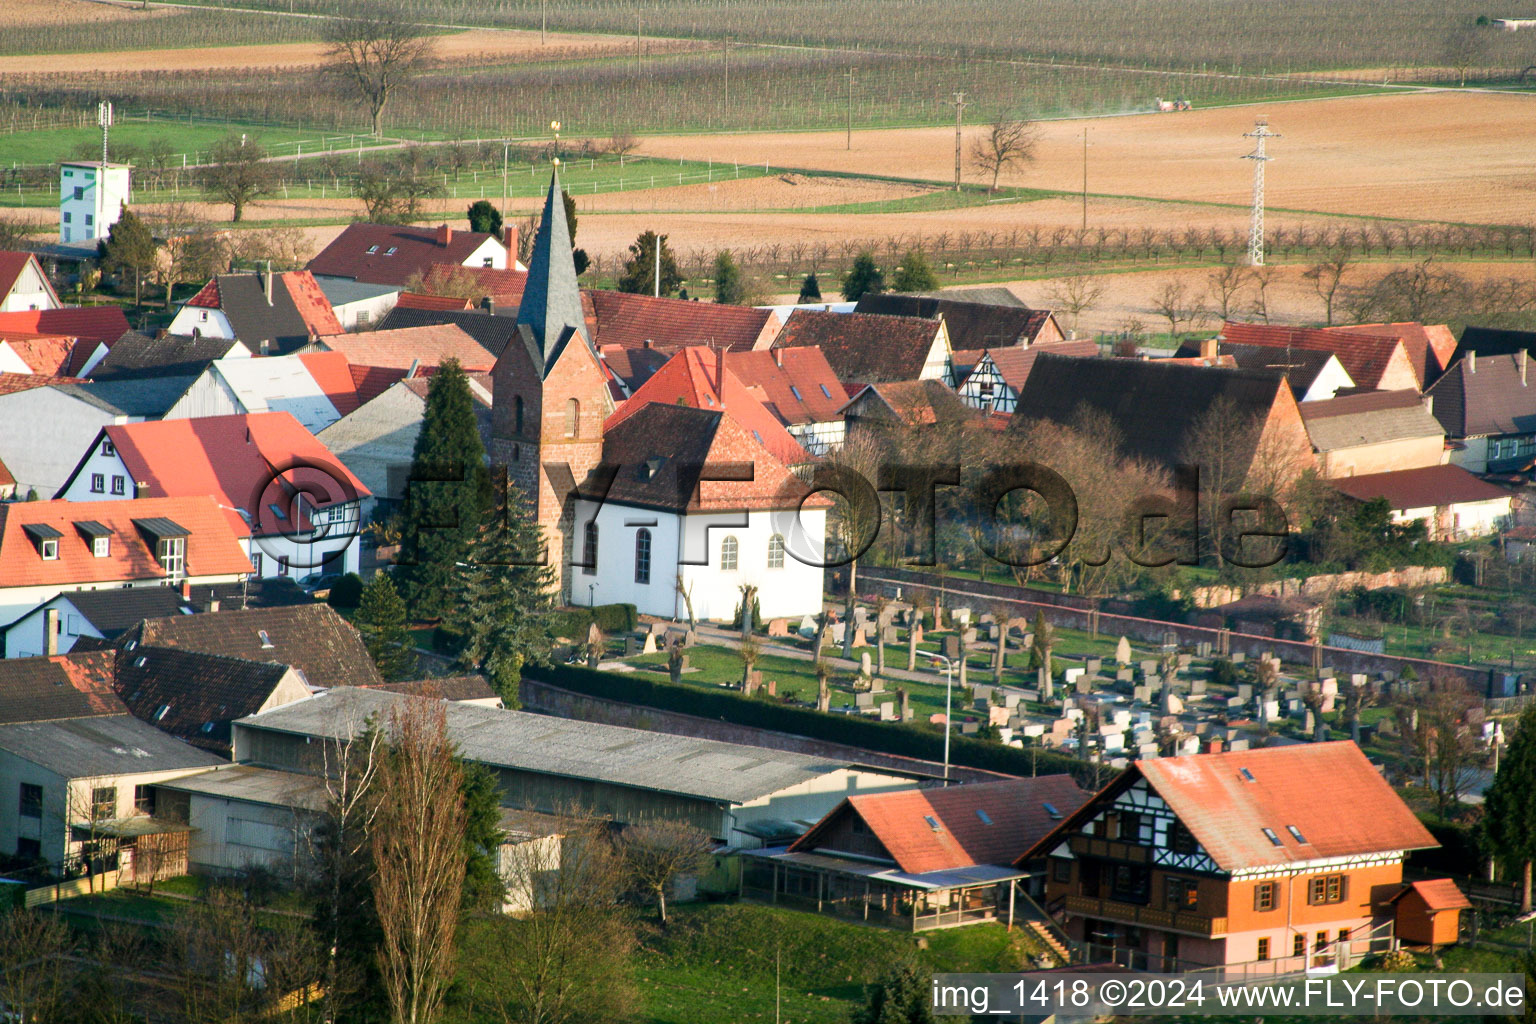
(30, 13)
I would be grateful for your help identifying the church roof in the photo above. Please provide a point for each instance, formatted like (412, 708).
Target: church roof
(551, 307)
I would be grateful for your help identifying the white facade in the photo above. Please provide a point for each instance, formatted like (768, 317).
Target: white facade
(788, 586)
(30, 291)
(334, 545)
(985, 389)
(364, 313)
(245, 385)
(42, 433)
(1328, 382)
(819, 438)
(202, 322)
(1459, 520)
(91, 199)
(26, 637)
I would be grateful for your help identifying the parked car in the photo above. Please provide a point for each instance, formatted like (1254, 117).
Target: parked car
(318, 584)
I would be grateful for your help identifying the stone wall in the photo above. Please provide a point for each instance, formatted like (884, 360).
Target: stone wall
(1321, 586)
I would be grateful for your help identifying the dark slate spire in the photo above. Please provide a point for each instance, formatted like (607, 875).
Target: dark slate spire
(551, 298)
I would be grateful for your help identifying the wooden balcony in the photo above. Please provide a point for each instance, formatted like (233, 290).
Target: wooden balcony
(1150, 917)
(1109, 849)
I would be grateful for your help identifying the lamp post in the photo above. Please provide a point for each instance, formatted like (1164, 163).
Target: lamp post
(591, 603)
(949, 679)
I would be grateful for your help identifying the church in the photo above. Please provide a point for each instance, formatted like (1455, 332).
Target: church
(665, 506)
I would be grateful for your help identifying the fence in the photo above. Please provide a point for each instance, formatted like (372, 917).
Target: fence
(103, 882)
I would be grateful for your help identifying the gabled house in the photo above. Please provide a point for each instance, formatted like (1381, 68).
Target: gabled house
(698, 378)
(35, 353)
(393, 254)
(295, 507)
(1373, 432)
(270, 314)
(50, 547)
(23, 285)
(492, 330)
(920, 858)
(1378, 362)
(1453, 503)
(139, 356)
(1487, 405)
(662, 519)
(315, 387)
(798, 386)
(648, 321)
(908, 403)
(86, 615)
(1314, 375)
(1160, 410)
(379, 358)
(1492, 341)
(629, 368)
(866, 348)
(310, 638)
(972, 325)
(377, 439)
(358, 305)
(92, 327)
(990, 379)
(1430, 347)
(46, 689)
(1245, 857)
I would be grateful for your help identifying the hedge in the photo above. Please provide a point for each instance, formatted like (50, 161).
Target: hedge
(905, 739)
(610, 618)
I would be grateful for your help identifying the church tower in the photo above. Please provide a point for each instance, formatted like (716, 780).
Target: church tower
(549, 391)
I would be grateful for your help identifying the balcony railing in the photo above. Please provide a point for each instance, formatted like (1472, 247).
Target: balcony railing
(1151, 917)
(1110, 849)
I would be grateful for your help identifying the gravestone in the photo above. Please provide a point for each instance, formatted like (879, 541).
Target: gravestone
(860, 615)
(779, 627)
(631, 645)
(888, 712)
(866, 666)
(838, 631)
(970, 636)
(987, 619)
(876, 685)
(917, 634)
(999, 715)
(1175, 705)
(690, 638)
(888, 635)
(1186, 660)
(1072, 675)
(969, 728)
(860, 638)
(1196, 686)
(686, 667)
(1093, 665)
(807, 626)
(660, 628)
(1123, 675)
(650, 644)
(1328, 700)
(1308, 722)
(1083, 685)
(1142, 694)
(1123, 651)
(1271, 711)
(1028, 641)
(983, 694)
(952, 647)
(773, 687)
(1238, 657)
(1148, 668)
(962, 617)
(994, 632)
(937, 718)
(864, 700)
(1244, 691)
(1011, 700)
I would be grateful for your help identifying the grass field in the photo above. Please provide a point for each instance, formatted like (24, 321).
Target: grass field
(129, 138)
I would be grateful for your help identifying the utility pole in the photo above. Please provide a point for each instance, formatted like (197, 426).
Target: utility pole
(506, 189)
(725, 54)
(1260, 132)
(104, 118)
(960, 105)
(849, 75)
(656, 291)
(543, 22)
(1085, 179)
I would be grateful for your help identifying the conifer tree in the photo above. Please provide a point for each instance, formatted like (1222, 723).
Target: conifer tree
(483, 885)
(810, 289)
(502, 599)
(901, 998)
(863, 278)
(1509, 820)
(447, 497)
(728, 289)
(639, 275)
(130, 248)
(381, 620)
(484, 217)
(914, 274)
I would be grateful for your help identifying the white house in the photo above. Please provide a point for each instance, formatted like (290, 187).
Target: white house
(358, 305)
(1453, 503)
(93, 614)
(91, 198)
(990, 379)
(668, 516)
(296, 508)
(270, 314)
(315, 387)
(23, 285)
(393, 254)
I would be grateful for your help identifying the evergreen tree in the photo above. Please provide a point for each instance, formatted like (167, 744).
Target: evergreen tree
(1509, 819)
(901, 998)
(578, 256)
(131, 249)
(381, 619)
(810, 289)
(447, 497)
(483, 886)
(502, 599)
(639, 275)
(728, 287)
(484, 217)
(863, 278)
(914, 274)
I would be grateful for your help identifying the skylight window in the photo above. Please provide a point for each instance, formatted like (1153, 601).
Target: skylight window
(266, 641)
(1246, 774)
(824, 391)
(795, 391)
(933, 822)
(1269, 834)
(986, 819)
(1052, 811)
(1296, 834)
(372, 249)
(390, 251)
(165, 709)
(277, 510)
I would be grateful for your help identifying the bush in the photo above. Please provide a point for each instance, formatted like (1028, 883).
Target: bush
(616, 618)
(347, 592)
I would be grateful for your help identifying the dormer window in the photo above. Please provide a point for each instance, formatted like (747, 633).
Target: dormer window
(50, 550)
(101, 547)
(46, 538)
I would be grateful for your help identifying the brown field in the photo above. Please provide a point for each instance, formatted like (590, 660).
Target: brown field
(35, 13)
(481, 46)
(1433, 155)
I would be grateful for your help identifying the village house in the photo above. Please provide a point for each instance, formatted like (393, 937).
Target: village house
(1239, 858)
(1430, 347)
(990, 379)
(295, 507)
(270, 314)
(92, 615)
(51, 547)
(1487, 405)
(1454, 504)
(316, 388)
(798, 387)
(493, 330)
(93, 328)
(908, 403)
(141, 356)
(1373, 432)
(380, 358)
(23, 285)
(648, 321)
(358, 305)
(552, 765)
(971, 324)
(869, 348)
(393, 254)
(919, 859)
(1314, 375)
(1377, 362)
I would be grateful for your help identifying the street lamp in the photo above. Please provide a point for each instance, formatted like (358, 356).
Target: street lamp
(590, 602)
(949, 679)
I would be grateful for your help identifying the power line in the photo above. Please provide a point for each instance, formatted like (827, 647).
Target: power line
(1260, 132)
(959, 105)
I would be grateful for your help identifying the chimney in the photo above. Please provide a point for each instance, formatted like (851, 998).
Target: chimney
(1208, 347)
(1429, 404)
(720, 376)
(213, 604)
(267, 282)
(140, 489)
(51, 632)
(1471, 362)
(509, 239)
(778, 357)
(186, 590)
(489, 305)
(1522, 357)
(444, 235)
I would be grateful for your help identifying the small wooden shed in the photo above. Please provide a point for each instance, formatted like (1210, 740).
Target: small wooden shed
(1428, 913)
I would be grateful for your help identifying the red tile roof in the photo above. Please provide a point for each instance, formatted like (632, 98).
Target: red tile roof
(1016, 818)
(635, 321)
(7, 479)
(407, 346)
(1306, 785)
(415, 250)
(631, 366)
(797, 384)
(1426, 487)
(12, 264)
(1372, 361)
(212, 545)
(333, 373)
(10, 382)
(372, 381)
(207, 296)
(233, 458)
(863, 347)
(1429, 346)
(1438, 894)
(314, 308)
(104, 324)
(692, 378)
(44, 354)
(43, 689)
(412, 300)
(505, 287)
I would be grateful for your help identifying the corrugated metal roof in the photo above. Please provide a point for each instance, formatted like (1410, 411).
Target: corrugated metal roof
(726, 773)
(76, 748)
(254, 785)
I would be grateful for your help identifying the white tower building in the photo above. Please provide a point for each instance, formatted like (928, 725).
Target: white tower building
(91, 198)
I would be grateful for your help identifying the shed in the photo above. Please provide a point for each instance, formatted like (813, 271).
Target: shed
(1428, 913)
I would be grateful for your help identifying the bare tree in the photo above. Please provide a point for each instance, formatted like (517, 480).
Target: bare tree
(14, 231)
(1077, 294)
(238, 173)
(376, 50)
(1465, 47)
(190, 251)
(623, 143)
(394, 195)
(686, 593)
(418, 853)
(1263, 277)
(1433, 725)
(1226, 281)
(35, 972)
(1007, 142)
(658, 853)
(1172, 303)
(1326, 278)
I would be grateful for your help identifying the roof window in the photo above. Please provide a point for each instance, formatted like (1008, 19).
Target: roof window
(372, 249)
(986, 819)
(1296, 834)
(796, 392)
(933, 822)
(266, 641)
(165, 709)
(824, 391)
(1052, 811)
(1246, 774)
(390, 251)
(1269, 834)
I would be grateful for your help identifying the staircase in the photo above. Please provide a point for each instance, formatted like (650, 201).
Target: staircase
(1049, 936)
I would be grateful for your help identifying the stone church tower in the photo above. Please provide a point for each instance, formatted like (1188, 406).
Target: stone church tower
(549, 391)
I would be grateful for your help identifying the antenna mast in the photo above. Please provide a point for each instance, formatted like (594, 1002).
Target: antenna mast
(1260, 132)
(104, 118)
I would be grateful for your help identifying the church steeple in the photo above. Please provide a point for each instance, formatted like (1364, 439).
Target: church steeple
(551, 305)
